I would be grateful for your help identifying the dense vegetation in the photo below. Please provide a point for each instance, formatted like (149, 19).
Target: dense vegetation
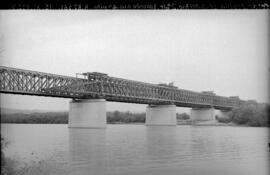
(182, 116)
(125, 117)
(62, 117)
(251, 115)
(48, 117)
(7, 167)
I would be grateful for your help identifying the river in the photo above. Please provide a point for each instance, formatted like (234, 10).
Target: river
(137, 149)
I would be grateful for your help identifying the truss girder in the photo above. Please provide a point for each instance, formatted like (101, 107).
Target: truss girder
(34, 83)
(20, 81)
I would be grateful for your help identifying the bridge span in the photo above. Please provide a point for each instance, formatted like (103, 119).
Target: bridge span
(90, 92)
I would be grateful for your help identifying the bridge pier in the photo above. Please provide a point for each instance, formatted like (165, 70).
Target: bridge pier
(87, 113)
(202, 114)
(160, 115)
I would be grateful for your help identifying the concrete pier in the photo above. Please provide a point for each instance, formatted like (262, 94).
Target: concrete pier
(161, 115)
(87, 113)
(202, 114)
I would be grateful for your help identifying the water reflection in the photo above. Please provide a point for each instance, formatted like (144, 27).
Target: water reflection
(206, 143)
(136, 149)
(87, 149)
(161, 144)
(201, 143)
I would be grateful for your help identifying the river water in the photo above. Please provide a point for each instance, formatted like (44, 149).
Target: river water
(137, 149)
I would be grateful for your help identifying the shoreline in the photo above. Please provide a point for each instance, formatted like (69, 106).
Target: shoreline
(190, 123)
(211, 123)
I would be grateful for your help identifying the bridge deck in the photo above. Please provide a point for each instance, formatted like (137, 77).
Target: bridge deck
(97, 85)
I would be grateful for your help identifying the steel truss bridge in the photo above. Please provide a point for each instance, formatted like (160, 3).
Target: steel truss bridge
(98, 85)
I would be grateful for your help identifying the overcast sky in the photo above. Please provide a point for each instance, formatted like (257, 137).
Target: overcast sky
(226, 51)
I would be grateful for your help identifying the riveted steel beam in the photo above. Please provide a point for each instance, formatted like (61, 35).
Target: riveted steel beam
(99, 85)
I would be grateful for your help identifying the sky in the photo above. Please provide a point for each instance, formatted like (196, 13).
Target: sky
(225, 51)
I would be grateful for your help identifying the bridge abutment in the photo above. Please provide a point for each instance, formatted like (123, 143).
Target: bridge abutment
(87, 113)
(202, 114)
(160, 115)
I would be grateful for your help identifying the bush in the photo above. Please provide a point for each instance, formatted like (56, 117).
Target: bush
(182, 116)
(48, 117)
(62, 117)
(252, 115)
(223, 119)
(125, 117)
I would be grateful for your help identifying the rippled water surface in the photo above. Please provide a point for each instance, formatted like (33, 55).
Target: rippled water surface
(137, 149)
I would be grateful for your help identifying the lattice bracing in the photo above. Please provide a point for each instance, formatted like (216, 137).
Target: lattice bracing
(99, 85)
(19, 81)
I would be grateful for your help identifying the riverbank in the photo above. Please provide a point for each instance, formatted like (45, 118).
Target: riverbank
(257, 116)
(188, 122)
(197, 123)
(62, 117)
(205, 123)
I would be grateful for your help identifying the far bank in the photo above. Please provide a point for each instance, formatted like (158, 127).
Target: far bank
(252, 115)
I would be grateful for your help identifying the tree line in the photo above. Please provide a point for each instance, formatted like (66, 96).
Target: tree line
(62, 117)
(250, 115)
